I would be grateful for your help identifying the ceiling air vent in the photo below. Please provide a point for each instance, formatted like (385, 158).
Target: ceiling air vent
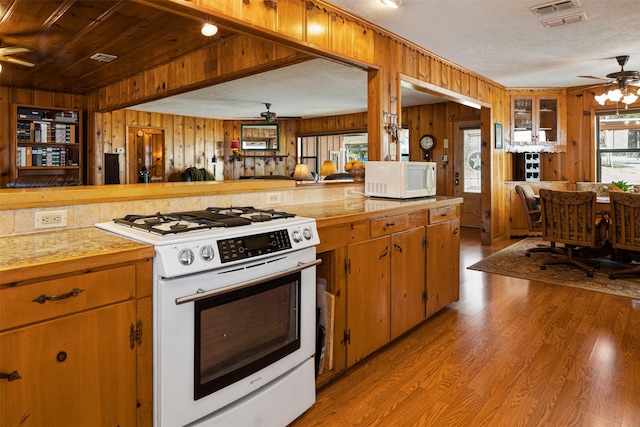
(547, 8)
(563, 20)
(103, 57)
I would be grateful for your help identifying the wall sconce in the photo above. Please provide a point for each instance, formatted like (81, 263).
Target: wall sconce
(302, 173)
(235, 150)
(328, 168)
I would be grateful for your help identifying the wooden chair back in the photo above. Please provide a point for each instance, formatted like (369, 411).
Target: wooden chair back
(569, 217)
(625, 221)
(600, 188)
(530, 206)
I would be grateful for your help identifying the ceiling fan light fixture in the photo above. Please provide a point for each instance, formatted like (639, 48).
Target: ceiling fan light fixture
(394, 4)
(209, 30)
(630, 98)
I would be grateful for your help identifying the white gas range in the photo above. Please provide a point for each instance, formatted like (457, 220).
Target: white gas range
(234, 314)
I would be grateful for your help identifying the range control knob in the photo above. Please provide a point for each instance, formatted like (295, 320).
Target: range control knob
(185, 257)
(296, 236)
(307, 233)
(207, 253)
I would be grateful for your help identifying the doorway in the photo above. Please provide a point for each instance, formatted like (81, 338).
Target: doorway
(147, 148)
(468, 171)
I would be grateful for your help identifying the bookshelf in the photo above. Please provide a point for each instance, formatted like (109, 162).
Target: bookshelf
(46, 141)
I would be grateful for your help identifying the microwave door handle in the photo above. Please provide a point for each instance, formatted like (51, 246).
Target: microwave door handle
(246, 284)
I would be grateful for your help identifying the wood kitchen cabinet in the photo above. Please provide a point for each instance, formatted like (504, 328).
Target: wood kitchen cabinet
(538, 118)
(368, 296)
(443, 258)
(377, 271)
(75, 349)
(408, 294)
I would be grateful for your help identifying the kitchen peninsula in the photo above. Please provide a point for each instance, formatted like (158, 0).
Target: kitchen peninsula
(371, 252)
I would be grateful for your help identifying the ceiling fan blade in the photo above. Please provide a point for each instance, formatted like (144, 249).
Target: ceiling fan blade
(12, 50)
(16, 61)
(594, 77)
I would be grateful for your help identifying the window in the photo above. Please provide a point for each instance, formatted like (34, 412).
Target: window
(472, 143)
(618, 152)
(339, 148)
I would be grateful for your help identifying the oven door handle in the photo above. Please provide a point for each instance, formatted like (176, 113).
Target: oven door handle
(208, 294)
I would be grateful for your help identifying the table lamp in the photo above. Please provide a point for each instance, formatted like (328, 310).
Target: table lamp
(328, 168)
(235, 149)
(302, 172)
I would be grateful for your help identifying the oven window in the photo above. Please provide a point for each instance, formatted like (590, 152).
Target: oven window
(243, 331)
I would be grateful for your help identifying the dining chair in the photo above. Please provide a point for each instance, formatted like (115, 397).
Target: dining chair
(569, 218)
(532, 214)
(625, 231)
(601, 189)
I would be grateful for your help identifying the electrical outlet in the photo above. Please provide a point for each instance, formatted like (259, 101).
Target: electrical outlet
(51, 219)
(274, 198)
(119, 150)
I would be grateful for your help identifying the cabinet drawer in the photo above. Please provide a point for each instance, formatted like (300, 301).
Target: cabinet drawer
(342, 234)
(445, 213)
(59, 297)
(394, 223)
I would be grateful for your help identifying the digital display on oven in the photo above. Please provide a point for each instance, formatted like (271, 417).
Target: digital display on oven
(259, 241)
(254, 245)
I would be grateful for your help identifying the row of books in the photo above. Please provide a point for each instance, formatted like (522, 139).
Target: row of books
(44, 114)
(42, 156)
(46, 132)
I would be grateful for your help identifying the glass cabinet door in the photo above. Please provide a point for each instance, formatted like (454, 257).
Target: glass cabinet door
(523, 120)
(547, 120)
(535, 120)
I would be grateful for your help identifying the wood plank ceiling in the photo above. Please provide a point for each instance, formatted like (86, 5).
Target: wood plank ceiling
(62, 35)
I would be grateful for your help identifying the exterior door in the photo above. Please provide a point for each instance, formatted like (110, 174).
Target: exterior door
(467, 174)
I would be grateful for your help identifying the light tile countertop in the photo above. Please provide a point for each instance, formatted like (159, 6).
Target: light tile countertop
(27, 256)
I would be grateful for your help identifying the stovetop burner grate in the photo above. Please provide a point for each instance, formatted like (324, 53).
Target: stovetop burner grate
(212, 217)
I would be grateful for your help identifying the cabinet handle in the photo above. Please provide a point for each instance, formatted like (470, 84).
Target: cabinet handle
(455, 231)
(43, 298)
(391, 224)
(384, 254)
(10, 377)
(398, 247)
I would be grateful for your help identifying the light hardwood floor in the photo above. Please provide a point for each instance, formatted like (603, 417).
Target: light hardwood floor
(511, 352)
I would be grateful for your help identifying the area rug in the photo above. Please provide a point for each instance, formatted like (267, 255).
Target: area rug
(512, 261)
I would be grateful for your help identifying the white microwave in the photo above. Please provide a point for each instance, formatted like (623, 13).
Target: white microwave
(400, 180)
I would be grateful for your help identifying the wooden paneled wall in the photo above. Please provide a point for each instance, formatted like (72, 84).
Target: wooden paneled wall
(188, 141)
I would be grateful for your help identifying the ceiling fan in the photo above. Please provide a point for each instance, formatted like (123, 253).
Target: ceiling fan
(622, 77)
(270, 116)
(6, 52)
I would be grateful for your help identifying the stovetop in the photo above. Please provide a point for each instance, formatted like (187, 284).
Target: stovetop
(184, 222)
(201, 240)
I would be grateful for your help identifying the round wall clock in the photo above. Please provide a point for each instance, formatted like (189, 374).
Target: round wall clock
(427, 142)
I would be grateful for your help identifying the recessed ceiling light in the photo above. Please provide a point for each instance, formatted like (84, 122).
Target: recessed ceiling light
(208, 30)
(392, 3)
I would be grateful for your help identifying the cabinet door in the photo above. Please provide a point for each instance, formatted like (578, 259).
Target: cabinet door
(368, 293)
(78, 370)
(407, 280)
(443, 265)
(144, 363)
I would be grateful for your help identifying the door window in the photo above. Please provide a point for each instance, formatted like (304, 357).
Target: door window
(472, 160)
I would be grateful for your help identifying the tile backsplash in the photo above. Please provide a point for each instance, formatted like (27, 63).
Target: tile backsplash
(22, 221)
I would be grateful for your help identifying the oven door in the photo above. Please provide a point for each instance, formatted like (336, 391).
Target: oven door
(240, 332)
(224, 336)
